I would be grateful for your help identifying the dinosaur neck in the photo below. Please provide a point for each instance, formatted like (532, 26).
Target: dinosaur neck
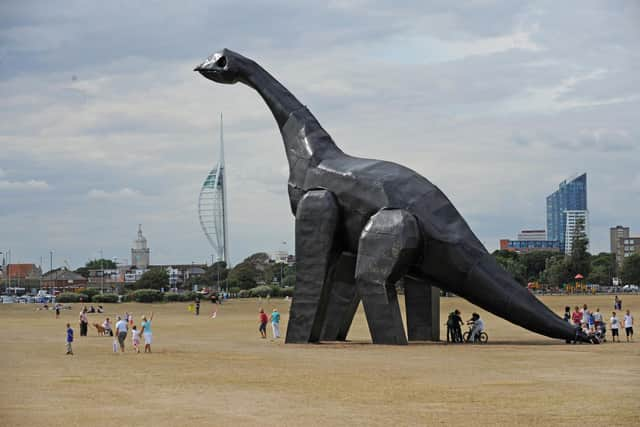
(302, 134)
(280, 101)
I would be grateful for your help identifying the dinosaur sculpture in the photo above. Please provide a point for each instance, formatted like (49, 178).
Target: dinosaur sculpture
(362, 225)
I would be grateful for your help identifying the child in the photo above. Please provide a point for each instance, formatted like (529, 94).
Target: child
(135, 335)
(262, 317)
(69, 339)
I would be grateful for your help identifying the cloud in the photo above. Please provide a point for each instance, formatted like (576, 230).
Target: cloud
(493, 101)
(30, 185)
(123, 193)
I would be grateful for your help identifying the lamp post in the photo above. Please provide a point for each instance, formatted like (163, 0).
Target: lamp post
(102, 275)
(284, 244)
(4, 270)
(51, 269)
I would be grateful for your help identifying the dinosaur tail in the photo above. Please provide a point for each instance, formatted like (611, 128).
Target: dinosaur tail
(489, 286)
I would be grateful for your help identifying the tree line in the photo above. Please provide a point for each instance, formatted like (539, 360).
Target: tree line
(556, 269)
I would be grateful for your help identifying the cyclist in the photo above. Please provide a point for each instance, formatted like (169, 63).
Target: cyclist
(478, 327)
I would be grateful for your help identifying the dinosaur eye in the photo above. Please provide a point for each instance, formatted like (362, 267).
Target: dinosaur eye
(221, 62)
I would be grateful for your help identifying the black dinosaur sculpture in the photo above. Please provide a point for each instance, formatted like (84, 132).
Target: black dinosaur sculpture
(362, 225)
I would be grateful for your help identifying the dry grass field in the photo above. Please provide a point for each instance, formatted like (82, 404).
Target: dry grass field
(219, 372)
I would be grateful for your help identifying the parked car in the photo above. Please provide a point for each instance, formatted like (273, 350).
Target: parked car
(8, 299)
(630, 288)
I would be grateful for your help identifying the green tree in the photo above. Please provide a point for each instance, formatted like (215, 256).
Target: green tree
(631, 270)
(244, 276)
(535, 263)
(156, 278)
(96, 264)
(580, 260)
(556, 272)
(602, 268)
(259, 260)
(510, 261)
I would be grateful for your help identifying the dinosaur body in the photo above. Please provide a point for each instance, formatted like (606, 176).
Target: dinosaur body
(368, 206)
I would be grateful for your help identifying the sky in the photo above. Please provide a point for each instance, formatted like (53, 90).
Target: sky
(104, 125)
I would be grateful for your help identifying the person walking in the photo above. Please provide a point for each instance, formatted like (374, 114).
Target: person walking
(146, 332)
(262, 317)
(275, 323)
(628, 325)
(84, 322)
(69, 339)
(197, 306)
(615, 327)
(121, 332)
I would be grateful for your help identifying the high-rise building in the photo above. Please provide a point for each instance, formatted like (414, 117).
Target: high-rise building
(570, 196)
(212, 207)
(577, 222)
(615, 233)
(140, 251)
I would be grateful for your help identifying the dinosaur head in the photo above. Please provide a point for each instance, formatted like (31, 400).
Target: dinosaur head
(222, 67)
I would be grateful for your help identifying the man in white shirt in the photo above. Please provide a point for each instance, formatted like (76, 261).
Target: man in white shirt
(615, 327)
(121, 332)
(628, 325)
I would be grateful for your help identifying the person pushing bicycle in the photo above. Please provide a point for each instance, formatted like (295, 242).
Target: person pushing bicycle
(478, 327)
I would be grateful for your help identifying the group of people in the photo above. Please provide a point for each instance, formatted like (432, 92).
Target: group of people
(122, 326)
(454, 329)
(593, 323)
(275, 323)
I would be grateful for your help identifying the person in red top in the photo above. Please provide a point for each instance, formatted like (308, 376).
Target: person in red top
(576, 317)
(263, 323)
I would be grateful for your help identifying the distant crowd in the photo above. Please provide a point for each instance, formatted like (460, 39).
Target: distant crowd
(593, 323)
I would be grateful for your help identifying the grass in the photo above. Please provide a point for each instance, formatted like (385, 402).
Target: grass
(219, 372)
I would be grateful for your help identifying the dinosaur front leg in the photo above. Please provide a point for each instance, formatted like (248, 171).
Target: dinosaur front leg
(316, 221)
(387, 248)
(343, 299)
(422, 302)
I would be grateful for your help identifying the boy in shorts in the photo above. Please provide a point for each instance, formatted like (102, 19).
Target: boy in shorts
(615, 327)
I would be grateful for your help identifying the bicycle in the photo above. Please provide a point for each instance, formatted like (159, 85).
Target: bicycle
(482, 337)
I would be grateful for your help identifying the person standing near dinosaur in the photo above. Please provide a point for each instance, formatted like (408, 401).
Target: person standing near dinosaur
(275, 323)
(628, 325)
(263, 319)
(614, 325)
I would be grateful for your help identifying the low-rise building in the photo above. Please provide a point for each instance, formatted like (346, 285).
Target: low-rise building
(63, 280)
(525, 246)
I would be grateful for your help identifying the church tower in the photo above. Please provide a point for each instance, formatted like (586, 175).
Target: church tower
(140, 251)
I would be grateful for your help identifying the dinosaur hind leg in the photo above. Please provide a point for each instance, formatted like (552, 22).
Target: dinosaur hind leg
(422, 302)
(316, 222)
(343, 299)
(387, 248)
